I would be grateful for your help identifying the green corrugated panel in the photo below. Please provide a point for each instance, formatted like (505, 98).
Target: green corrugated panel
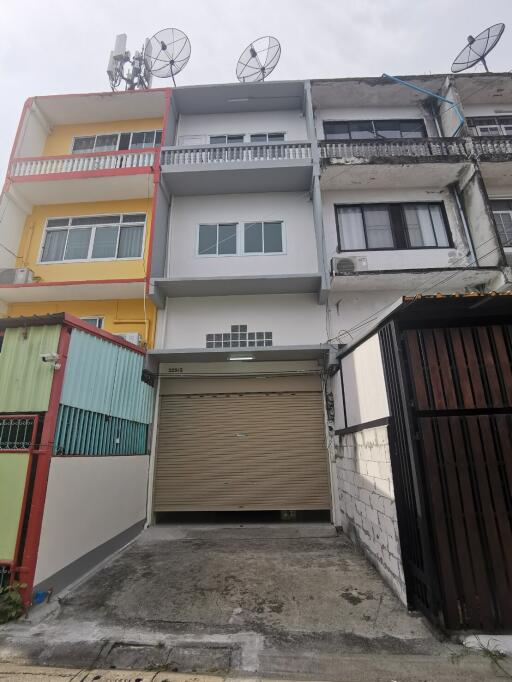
(104, 377)
(25, 380)
(13, 474)
(80, 432)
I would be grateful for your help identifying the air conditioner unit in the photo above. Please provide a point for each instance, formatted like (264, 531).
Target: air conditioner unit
(131, 337)
(347, 266)
(16, 275)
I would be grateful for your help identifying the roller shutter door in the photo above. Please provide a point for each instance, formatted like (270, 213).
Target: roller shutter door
(241, 450)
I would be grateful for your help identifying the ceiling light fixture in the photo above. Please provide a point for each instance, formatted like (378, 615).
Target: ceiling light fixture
(241, 357)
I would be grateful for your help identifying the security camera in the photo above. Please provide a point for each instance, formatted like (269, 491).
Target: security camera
(51, 358)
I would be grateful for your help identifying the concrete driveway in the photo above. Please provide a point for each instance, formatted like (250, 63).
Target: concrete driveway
(291, 600)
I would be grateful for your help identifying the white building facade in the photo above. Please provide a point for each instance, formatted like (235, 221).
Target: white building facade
(290, 217)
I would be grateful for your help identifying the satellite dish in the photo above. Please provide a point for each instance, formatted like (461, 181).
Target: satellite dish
(167, 53)
(258, 60)
(478, 48)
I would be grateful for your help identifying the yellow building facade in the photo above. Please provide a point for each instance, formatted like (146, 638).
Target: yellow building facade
(118, 159)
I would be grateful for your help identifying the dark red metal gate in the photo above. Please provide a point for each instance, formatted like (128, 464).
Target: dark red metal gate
(459, 390)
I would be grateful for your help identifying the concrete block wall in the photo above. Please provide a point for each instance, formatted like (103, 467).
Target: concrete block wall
(367, 501)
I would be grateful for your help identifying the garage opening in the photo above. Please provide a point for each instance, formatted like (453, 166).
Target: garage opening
(248, 446)
(245, 517)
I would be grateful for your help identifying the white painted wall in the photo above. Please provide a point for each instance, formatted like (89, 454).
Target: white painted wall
(396, 259)
(89, 500)
(293, 208)
(364, 384)
(12, 222)
(357, 308)
(487, 109)
(32, 136)
(293, 319)
(292, 123)
(368, 114)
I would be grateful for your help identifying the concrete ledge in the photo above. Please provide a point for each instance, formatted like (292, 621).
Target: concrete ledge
(78, 568)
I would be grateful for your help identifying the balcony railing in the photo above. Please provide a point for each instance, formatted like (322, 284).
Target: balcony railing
(79, 163)
(415, 148)
(491, 146)
(223, 155)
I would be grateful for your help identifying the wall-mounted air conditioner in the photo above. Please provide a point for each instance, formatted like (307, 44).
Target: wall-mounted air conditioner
(16, 275)
(131, 337)
(347, 265)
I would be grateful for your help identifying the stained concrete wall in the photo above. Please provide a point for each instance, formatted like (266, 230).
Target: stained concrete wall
(367, 502)
(486, 244)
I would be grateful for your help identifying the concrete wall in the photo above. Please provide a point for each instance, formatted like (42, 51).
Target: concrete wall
(486, 243)
(291, 123)
(447, 115)
(293, 208)
(89, 502)
(357, 308)
(364, 384)
(12, 222)
(367, 502)
(32, 136)
(294, 319)
(398, 259)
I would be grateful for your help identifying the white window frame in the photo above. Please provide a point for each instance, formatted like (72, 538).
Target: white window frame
(509, 213)
(262, 253)
(240, 239)
(131, 133)
(98, 318)
(89, 258)
(226, 135)
(277, 132)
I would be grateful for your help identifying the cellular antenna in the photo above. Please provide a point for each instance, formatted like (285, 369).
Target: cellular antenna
(478, 48)
(167, 53)
(123, 68)
(258, 60)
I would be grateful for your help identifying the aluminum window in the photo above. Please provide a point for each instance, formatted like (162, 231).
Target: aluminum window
(375, 129)
(239, 337)
(116, 141)
(267, 137)
(502, 210)
(244, 239)
(94, 321)
(263, 237)
(108, 237)
(364, 227)
(226, 139)
(490, 125)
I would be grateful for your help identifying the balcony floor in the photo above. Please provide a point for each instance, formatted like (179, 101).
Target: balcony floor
(350, 174)
(238, 177)
(44, 190)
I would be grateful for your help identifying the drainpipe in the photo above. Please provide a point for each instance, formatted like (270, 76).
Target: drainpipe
(316, 194)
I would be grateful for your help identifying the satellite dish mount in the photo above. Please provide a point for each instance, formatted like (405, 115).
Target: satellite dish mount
(478, 48)
(258, 60)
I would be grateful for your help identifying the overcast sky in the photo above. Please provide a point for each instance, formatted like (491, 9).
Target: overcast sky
(58, 46)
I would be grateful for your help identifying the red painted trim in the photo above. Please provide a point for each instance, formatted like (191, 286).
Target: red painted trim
(44, 454)
(77, 323)
(81, 175)
(156, 189)
(30, 285)
(86, 155)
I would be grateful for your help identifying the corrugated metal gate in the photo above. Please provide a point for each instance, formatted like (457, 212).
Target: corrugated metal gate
(453, 409)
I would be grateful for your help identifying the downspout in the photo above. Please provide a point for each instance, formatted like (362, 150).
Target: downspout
(316, 194)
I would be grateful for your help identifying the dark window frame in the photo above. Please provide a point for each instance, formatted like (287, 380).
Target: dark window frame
(375, 136)
(398, 229)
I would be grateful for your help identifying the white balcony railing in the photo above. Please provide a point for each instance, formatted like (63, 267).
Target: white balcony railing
(416, 148)
(236, 153)
(78, 163)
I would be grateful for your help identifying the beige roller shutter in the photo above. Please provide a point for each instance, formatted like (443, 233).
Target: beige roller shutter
(245, 450)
